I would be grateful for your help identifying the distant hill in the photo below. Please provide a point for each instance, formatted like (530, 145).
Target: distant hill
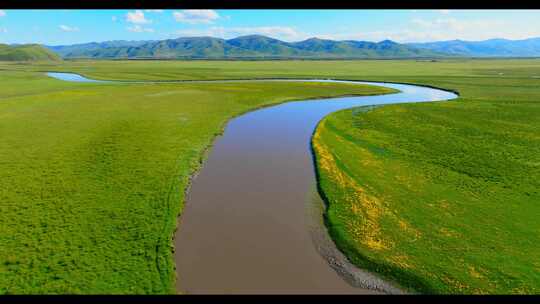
(26, 52)
(252, 46)
(487, 48)
(87, 49)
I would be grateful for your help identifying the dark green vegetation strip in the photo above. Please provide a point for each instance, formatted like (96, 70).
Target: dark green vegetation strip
(92, 176)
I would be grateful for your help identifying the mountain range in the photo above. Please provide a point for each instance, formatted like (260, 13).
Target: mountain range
(252, 46)
(262, 47)
(487, 48)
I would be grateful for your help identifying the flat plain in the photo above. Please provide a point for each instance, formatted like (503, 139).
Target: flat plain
(92, 176)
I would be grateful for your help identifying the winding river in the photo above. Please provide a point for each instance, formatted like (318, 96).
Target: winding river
(252, 222)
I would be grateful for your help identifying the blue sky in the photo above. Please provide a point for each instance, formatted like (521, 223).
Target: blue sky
(55, 27)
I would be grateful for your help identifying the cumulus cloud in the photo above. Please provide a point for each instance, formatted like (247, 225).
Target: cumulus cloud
(139, 29)
(196, 16)
(66, 28)
(137, 17)
(154, 11)
(114, 18)
(278, 32)
(2, 13)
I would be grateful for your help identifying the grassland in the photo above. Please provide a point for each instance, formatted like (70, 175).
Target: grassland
(92, 176)
(453, 186)
(444, 72)
(440, 197)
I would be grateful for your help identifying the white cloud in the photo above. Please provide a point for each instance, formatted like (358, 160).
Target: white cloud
(452, 28)
(139, 29)
(444, 11)
(416, 30)
(450, 24)
(196, 16)
(154, 11)
(272, 31)
(2, 13)
(278, 32)
(214, 32)
(401, 35)
(114, 18)
(137, 17)
(66, 28)
(3, 30)
(425, 30)
(420, 22)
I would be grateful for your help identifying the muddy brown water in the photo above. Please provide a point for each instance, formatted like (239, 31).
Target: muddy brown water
(252, 221)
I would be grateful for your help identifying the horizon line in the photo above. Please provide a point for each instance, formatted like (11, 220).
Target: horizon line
(296, 41)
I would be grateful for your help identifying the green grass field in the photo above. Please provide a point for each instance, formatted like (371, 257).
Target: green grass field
(440, 197)
(92, 175)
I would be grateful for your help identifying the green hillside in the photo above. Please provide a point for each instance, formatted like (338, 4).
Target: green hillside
(27, 52)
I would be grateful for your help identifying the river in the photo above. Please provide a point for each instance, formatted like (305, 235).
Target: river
(252, 221)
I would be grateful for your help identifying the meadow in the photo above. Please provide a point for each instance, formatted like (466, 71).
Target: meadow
(92, 176)
(440, 197)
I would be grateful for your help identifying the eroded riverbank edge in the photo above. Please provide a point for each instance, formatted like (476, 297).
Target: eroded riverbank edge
(326, 244)
(334, 250)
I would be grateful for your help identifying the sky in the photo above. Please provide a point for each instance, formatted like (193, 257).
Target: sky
(58, 27)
